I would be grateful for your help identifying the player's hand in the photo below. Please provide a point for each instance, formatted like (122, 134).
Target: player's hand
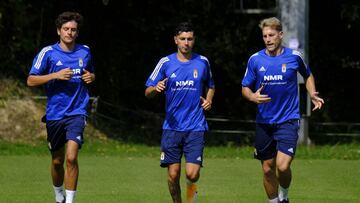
(316, 100)
(161, 85)
(259, 98)
(205, 104)
(64, 74)
(88, 77)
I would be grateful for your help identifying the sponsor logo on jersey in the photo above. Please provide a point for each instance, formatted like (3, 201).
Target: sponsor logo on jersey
(76, 71)
(184, 83)
(291, 150)
(283, 68)
(59, 63)
(81, 62)
(195, 73)
(273, 77)
(262, 69)
(173, 75)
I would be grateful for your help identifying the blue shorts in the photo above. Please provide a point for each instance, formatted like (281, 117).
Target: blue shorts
(175, 143)
(271, 138)
(68, 128)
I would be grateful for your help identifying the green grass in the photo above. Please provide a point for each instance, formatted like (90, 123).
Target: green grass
(26, 178)
(111, 171)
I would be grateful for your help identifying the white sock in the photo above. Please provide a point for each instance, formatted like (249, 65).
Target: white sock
(283, 193)
(70, 196)
(59, 193)
(275, 200)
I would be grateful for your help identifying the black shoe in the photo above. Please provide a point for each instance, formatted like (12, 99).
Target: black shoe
(62, 201)
(285, 201)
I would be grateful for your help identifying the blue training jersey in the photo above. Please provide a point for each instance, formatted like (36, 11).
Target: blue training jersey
(65, 97)
(186, 83)
(278, 75)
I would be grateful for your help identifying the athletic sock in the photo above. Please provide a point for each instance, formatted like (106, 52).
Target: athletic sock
(275, 200)
(59, 193)
(191, 191)
(283, 193)
(70, 196)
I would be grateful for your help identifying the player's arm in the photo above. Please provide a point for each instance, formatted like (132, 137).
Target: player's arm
(151, 91)
(255, 97)
(35, 80)
(310, 86)
(207, 101)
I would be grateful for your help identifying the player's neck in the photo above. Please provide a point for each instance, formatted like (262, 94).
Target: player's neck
(183, 57)
(276, 52)
(67, 47)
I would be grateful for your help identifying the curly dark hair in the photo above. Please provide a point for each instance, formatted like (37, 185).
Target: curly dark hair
(68, 16)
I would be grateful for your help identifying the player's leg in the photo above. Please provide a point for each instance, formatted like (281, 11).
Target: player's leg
(192, 176)
(74, 126)
(265, 151)
(193, 151)
(57, 174)
(283, 162)
(286, 136)
(72, 170)
(56, 141)
(270, 180)
(174, 182)
(171, 153)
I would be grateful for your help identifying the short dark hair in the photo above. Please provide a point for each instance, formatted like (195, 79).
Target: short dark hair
(184, 27)
(68, 16)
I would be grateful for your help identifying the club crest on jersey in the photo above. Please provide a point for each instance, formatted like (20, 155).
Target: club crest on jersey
(283, 68)
(81, 62)
(195, 73)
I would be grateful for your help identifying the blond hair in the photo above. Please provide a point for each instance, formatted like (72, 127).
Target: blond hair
(271, 22)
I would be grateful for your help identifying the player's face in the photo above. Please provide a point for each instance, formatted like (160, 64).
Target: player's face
(68, 32)
(272, 39)
(185, 42)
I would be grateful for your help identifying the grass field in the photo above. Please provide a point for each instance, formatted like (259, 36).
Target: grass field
(130, 173)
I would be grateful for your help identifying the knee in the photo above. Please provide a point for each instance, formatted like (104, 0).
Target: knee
(284, 167)
(71, 160)
(58, 162)
(174, 175)
(192, 176)
(268, 171)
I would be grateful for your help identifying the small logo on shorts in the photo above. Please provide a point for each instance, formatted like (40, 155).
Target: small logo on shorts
(255, 152)
(291, 150)
(78, 137)
(162, 156)
(49, 145)
(199, 158)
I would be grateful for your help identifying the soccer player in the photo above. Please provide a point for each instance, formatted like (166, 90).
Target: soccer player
(186, 80)
(65, 69)
(270, 81)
